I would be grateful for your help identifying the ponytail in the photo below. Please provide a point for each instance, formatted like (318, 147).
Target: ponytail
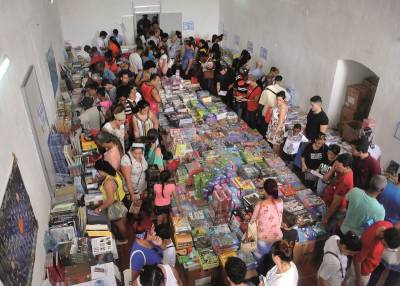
(164, 177)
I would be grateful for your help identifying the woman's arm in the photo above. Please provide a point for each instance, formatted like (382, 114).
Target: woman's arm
(282, 117)
(175, 195)
(136, 130)
(109, 187)
(177, 277)
(303, 165)
(218, 87)
(126, 172)
(160, 162)
(337, 200)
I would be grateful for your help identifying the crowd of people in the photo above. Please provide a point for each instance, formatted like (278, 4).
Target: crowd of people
(120, 109)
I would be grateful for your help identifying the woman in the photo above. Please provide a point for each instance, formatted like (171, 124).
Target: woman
(113, 194)
(110, 62)
(159, 275)
(114, 47)
(144, 120)
(143, 76)
(133, 167)
(311, 158)
(163, 191)
(285, 271)
(163, 61)
(276, 128)
(116, 127)
(153, 153)
(268, 218)
(207, 68)
(112, 148)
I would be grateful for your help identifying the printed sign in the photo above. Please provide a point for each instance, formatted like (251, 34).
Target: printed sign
(236, 40)
(188, 26)
(250, 46)
(263, 53)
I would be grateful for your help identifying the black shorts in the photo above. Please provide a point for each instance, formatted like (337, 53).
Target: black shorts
(160, 210)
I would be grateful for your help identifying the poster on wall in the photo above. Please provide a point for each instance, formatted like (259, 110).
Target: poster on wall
(250, 46)
(263, 53)
(18, 228)
(236, 40)
(51, 62)
(188, 26)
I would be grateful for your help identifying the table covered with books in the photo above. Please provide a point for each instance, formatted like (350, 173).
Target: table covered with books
(223, 164)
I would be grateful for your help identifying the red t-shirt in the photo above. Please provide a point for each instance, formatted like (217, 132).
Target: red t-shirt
(341, 186)
(372, 248)
(364, 170)
(253, 94)
(97, 58)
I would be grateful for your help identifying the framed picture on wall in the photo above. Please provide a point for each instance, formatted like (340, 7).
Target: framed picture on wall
(397, 132)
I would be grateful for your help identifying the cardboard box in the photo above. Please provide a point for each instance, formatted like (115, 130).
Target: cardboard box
(351, 130)
(357, 95)
(183, 240)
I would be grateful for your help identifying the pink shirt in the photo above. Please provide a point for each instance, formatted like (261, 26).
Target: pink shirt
(113, 157)
(168, 190)
(268, 216)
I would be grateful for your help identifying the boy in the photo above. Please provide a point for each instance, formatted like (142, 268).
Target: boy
(292, 143)
(290, 234)
(169, 252)
(171, 164)
(334, 264)
(236, 270)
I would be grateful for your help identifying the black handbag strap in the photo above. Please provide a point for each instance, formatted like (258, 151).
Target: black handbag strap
(340, 263)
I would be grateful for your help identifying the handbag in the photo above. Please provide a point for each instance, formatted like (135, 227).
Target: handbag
(249, 240)
(117, 210)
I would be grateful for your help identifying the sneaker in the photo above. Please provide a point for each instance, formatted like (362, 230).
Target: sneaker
(121, 242)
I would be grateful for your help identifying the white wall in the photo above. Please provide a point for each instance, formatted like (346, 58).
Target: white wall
(347, 73)
(82, 20)
(29, 27)
(305, 39)
(204, 14)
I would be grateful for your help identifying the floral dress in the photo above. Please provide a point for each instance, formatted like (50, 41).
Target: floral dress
(275, 136)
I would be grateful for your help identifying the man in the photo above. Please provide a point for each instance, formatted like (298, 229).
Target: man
(317, 120)
(135, 60)
(105, 73)
(117, 36)
(253, 95)
(268, 100)
(110, 89)
(258, 72)
(85, 53)
(101, 42)
(235, 270)
(363, 208)
(332, 270)
(270, 77)
(92, 117)
(173, 46)
(187, 60)
(143, 26)
(225, 80)
(150, 93)
(95, 56)
(390, 199)
(335, 192)
(378, 237)
(365, 166)
(124, 66)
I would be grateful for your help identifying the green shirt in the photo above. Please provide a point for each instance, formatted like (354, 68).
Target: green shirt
(361, 207)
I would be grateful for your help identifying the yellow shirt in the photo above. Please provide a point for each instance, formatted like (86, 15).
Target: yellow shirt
(119, 194)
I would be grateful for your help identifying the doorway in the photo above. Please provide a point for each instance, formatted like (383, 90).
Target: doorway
(39, 124)
(353, 92)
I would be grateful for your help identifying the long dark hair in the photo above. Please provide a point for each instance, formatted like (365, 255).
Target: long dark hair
(283, 250)
(164, 177)
(271, 188)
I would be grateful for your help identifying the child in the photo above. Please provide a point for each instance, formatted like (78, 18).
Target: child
(163, 191)
(171, 164)
(292, 143)
(290, 234)
(169, 253)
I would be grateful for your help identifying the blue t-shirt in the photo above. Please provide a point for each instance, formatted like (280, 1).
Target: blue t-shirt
(390, 199)
(187, 56)
(107, 74)
(141, 256)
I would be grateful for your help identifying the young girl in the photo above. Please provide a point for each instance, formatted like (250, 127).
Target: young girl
(163, 191)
